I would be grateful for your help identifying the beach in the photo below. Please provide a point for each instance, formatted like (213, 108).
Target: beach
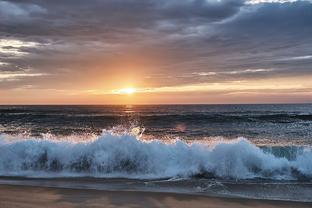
(35, 197)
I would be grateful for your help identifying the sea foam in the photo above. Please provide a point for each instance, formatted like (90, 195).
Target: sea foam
(126, 155)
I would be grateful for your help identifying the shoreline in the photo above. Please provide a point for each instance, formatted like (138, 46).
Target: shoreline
(256, 190)
(32, 196)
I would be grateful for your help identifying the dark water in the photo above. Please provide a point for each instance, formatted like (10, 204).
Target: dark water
(262, 124)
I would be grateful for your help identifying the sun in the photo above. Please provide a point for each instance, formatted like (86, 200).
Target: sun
(126, 91)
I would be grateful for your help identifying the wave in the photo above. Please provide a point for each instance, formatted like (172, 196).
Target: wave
(126, 155)
(221, 117)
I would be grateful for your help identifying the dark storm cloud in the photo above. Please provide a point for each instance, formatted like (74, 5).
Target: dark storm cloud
(271, 35)
(264, 36)
(95, 17)
(196, 36)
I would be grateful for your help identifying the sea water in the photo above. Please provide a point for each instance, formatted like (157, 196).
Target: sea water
(230, 150)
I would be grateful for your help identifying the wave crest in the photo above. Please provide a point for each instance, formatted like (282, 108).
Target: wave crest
(111, 155)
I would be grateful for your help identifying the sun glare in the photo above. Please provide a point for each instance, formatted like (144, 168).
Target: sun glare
(125, 91)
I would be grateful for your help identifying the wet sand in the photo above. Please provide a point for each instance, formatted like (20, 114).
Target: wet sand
(38, 197)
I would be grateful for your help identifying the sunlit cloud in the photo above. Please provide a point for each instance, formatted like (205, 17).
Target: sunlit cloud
(4, 63)
(296, 58)
(233, 86)
(220, 87)
(7, 76)
(245, 71)
(14, 47)
(205, 73)
(249, 71)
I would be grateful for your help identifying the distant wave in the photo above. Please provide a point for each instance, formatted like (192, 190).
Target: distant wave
(127, 156)
(8, 115)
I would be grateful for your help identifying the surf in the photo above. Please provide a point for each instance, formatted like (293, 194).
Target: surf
(127, 155)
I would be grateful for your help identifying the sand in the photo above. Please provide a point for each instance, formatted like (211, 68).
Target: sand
(39, 197)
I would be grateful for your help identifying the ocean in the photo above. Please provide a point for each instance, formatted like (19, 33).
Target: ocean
(251, 151)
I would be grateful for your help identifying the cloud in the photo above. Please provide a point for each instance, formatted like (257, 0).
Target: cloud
(3, 63)
(16, 76)
(245, 71)
(204, 73)
(14, 47)
(296, 58)
(105, 18)
(271, 1)
(15, 13)
(228, 87)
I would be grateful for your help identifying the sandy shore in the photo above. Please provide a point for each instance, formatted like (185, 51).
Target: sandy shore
(35, 197)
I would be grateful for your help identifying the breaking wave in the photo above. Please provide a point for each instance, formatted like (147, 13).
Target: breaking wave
(126, 155)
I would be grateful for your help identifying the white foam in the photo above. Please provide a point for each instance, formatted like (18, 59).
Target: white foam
(127, 156)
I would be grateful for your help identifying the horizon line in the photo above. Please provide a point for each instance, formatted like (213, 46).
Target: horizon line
(149, 104)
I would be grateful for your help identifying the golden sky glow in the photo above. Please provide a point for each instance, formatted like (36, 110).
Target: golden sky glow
(256, 91)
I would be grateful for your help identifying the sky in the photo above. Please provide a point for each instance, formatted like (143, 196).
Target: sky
(155, 51)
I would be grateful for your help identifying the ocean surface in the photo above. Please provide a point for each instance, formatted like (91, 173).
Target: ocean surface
(253, 151)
